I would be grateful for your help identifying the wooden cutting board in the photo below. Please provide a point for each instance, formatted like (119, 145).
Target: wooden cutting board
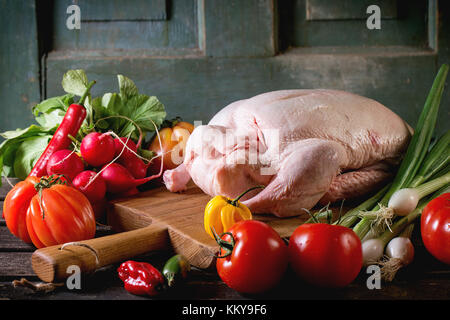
(182, 213)
(153, 220)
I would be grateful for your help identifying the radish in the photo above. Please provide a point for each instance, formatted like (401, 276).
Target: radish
(119, 180)
(135, 166)
(97, 149)
(65, 162)
(120, 143)
(126, 151)
(94, 188)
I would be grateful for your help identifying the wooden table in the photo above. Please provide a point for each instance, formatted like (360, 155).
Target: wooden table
(424, 279)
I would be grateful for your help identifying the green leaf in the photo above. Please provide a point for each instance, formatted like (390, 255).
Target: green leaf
(145, 111)
(32, 130)
(127, 87)
(49, 113)
(100, 112)
(8, 157)
(46, 106)
(123, 112)
(75, 82)
(14, 139)
(51, 119)
(28, 153)
(147, 154)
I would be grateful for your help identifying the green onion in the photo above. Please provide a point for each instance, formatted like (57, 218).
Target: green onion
(420, 140)
(436, 159)
(399, 253)
(373, 249)
(417, 149)
(351, 216)
(405, 200)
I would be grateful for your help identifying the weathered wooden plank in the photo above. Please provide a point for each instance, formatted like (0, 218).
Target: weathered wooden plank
(240, 28)
(9, 242)
(15, 264)
(178, 31)
(6, 186)
(400, 78)
(19, 63)
(116, 9)
(410, 29)
(443, 39)
(348, 9)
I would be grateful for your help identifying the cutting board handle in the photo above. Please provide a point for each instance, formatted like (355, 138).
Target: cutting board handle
(52, 264)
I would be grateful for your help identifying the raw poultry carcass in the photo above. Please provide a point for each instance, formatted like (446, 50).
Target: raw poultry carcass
(304, 146)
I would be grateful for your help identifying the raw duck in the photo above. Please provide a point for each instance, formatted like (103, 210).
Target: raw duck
(304, 146)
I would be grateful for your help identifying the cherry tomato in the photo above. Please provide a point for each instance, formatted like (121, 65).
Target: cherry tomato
(16, 205)
(173, 141)
(435, 227)
(257, 260)
(325, 255)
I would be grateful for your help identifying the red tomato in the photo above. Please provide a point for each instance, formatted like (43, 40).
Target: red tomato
(62, 214)
(258, 258)
(173, 141)
(67, 214)
(435, 227)
(16, 205)
(325, 255)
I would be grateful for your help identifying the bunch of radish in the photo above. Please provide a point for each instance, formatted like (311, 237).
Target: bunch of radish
(105, 166)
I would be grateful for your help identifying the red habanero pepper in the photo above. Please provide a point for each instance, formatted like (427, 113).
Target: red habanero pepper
(141, 278)
(71, 123)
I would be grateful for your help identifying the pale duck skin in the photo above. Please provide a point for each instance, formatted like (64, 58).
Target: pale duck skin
(304, 146)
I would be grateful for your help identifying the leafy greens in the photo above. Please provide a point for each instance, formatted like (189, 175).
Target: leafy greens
(126, 112)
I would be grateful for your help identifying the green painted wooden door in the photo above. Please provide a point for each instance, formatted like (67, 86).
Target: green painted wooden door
(199, 55)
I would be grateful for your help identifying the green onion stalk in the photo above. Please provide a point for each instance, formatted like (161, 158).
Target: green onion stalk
(417, 150)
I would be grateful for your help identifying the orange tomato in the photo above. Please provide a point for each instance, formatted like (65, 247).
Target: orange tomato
(173, 141)
(16, 205)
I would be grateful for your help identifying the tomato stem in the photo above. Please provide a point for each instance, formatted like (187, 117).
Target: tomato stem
(312, 219)
(235, 201)
(45, 183)
(228, 246)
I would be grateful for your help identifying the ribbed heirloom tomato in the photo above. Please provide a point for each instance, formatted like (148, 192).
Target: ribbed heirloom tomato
(47, 212)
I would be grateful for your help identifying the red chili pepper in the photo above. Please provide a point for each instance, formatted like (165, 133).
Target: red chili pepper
(71, 123)
(141, 278)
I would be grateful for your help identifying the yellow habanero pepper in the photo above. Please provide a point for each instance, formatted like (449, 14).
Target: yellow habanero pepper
(221, 213)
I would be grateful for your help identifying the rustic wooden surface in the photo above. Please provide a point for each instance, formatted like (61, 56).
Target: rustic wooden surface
(424, 279)
(182, 214)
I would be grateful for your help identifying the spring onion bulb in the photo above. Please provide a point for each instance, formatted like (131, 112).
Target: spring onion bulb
(372, 250)
(400, 248)
(399, 253)
(405, 200)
